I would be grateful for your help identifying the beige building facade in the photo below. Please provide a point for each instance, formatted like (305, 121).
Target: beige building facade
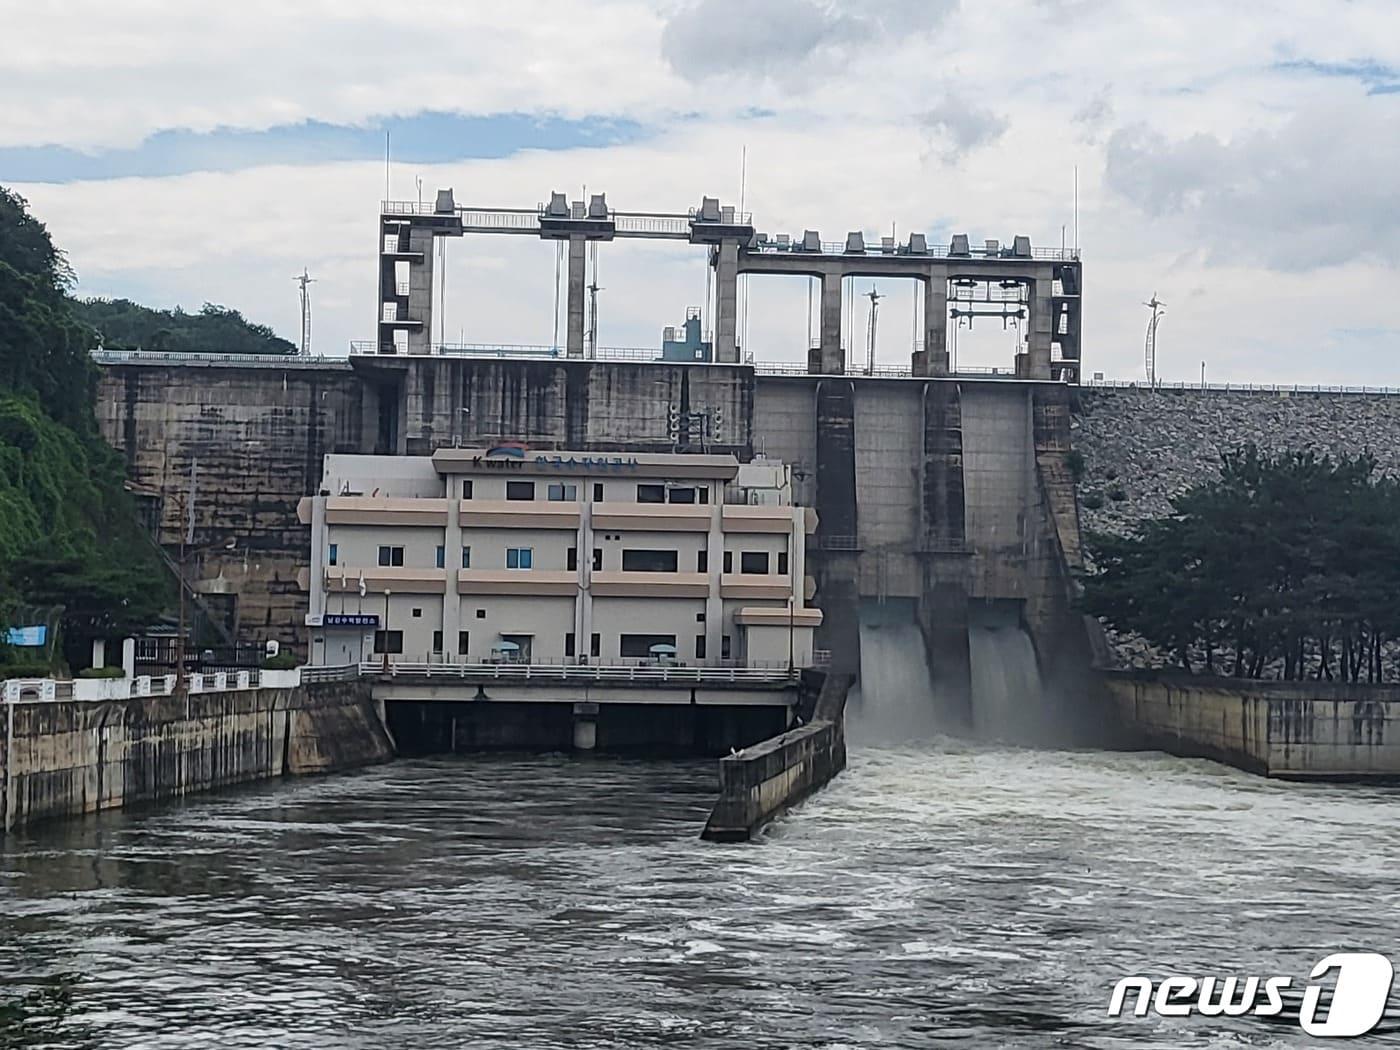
(509, 555)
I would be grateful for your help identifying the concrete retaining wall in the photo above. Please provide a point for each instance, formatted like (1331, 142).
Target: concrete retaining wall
(62, 758)
(760, 782)
(1292, 730)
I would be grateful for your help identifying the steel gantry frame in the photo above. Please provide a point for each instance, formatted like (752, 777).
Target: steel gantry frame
(1046, 282)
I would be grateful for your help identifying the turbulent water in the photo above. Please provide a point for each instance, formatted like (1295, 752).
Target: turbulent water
(949, 895)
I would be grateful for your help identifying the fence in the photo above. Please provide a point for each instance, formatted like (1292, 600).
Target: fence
(585, 673)
(16, 690)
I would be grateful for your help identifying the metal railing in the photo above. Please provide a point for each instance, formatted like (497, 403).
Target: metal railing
(330, 673)
(368, 347)
(157, 357)
(581, 673)
(1258, 388)
(1002, 254)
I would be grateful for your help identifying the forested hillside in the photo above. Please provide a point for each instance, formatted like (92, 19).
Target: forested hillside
(68, 531)
(124, 325)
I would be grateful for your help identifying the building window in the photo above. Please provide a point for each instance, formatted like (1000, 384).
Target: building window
(519, 557)
(699, 617)
(466, 557)
(724, 647)
(418, 614)
(649, 561)
(437, 641)
(481, 614)
(569, 644)
(595, 645)
(440, 557)
(467, 489)
(463, 638)
(782, 563)
(388, 642)
(571, 559)
(562, 492)
(699, 647)
(704, 491)
(639, 646)
(702, 561)
(523, 490)
(597, 559)
(754, 563)
(597, 492)
(651, 493)
(682, 494)
(332, 553)
(728, 561)
(390, 555)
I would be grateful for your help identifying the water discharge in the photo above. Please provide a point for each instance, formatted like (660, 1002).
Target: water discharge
(894, 700)
(1008, 702)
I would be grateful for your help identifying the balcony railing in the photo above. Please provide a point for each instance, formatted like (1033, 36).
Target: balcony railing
(514, 672)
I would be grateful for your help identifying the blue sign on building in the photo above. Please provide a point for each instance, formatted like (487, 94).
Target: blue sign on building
(28, 637)
(351, 620)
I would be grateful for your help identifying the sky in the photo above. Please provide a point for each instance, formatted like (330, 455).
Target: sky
(1236, 160)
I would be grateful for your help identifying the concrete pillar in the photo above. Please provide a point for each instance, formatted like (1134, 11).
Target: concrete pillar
(129, 657)
(451, 562)
(833, 358)
(583, 604)
(574, 329)
(1041, 329)
(585, 726)
(936, 323)
(726, 301)
(714, 604)
(420, 291)
(99, 652)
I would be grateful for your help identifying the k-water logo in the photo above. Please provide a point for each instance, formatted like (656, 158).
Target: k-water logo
(1358, 1001)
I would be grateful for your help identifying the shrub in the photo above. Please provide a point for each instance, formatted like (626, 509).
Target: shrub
(1117, 494)
(281, 662)
(101, 672)
(1093, 501)
(1075, 461)
(25, 671)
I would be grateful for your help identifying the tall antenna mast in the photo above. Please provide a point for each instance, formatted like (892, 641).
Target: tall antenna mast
(305, 279)
(593, 290)
(1150, 343)
(874, 298)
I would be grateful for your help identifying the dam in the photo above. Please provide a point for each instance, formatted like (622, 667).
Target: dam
(935, 492)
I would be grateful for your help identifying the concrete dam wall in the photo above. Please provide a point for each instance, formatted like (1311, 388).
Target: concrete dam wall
(935, 490)
(66, 757)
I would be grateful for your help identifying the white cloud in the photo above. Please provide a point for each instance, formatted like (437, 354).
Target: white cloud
(1208, 172)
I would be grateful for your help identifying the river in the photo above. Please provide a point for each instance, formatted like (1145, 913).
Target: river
(946, 895)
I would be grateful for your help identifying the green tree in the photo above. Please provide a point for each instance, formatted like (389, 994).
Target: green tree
(124, 325)
(68, 530)
(1285, 565)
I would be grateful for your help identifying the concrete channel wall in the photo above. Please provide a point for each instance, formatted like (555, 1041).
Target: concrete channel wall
(1290, 730)
(760, 782)
(68, 757)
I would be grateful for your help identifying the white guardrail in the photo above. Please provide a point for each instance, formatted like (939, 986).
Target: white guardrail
(584, 672)
(15, 690)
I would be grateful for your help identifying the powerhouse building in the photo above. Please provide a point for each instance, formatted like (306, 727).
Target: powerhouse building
(508, 555)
